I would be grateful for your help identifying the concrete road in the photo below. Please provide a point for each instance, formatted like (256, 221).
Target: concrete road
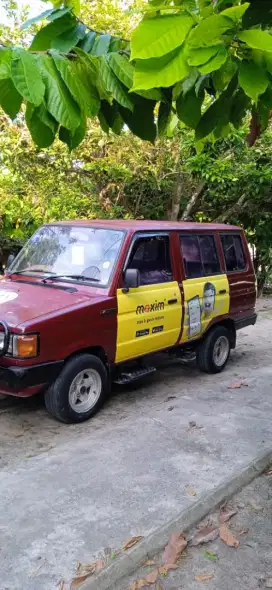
(68, 492)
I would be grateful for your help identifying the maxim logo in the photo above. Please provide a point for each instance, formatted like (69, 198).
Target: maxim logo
(148, 308)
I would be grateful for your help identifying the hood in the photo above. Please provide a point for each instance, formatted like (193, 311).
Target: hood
(21, 302)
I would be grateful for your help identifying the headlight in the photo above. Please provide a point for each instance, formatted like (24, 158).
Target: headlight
(25, 345)
(2, 341)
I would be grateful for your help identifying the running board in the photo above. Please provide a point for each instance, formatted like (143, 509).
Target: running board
(129, 377)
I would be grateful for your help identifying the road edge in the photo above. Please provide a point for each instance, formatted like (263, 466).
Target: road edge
(155, 542)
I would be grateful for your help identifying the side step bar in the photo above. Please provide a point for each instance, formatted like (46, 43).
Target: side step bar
(128, 377)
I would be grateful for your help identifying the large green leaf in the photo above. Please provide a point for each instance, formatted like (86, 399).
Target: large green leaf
(5, 63)
(223, 76)
(257, 39)
(41, 125)
(122, 68)
(201, 55)
(10, 99)
(157, 36)
(210, 30)
(58, 13)
(59, 101)
(215, 62)
(27, 77)
(69, 39)
(239, 107)
(253, 79)
(101, 45)
(111, 118)
(112, 84)
(46, 35)
(73, 140)
(218, 113)
(87, 42)
(141, 122)
(78, 80)
(164, 117)
(36, 19)
(236, 12)
(161, 72)
(189, 108)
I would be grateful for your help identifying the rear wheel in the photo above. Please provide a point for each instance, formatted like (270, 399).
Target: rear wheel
(213, 353)
(79, 391)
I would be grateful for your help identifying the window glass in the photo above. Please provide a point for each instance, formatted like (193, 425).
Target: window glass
(233, 252)
(209, 255)
(151, 256)
(199, 256)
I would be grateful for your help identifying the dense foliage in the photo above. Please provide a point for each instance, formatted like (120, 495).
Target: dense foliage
(207, 61)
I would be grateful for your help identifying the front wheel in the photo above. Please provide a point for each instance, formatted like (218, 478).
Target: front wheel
(79, 391)
(213, 352)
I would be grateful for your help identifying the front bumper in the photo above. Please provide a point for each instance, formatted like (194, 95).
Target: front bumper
(17, 379)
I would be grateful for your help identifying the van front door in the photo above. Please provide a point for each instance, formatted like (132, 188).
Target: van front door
(149, 316)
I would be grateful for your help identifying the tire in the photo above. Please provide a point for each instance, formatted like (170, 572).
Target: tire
(207, 358)
(79, 391)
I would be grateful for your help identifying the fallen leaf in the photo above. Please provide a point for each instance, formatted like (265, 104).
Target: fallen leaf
(205, 535)
(152, 577)
(204, 577)
(174, 548)
(170, 397)
(131, 542)
(269, 472)
(79, 580)
(148, 562)
(138, 584)
(226, 514)
(64, 585)
(192, 424)
(238, 385)
(100, 564)
(171, 408)
(243, 532)
(210, 555)
(268, 583)
(164, 569)
(190, 491)
(227, 537)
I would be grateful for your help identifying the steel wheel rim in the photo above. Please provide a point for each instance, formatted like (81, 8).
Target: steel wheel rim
(220, 351)
(85, 391)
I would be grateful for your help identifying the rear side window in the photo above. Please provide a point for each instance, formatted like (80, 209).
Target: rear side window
(199, 256)
(233, 252)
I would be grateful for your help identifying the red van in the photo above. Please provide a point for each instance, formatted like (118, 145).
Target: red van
(85, 302)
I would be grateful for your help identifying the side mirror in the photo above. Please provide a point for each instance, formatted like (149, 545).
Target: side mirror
(131, 279)
(10, 260)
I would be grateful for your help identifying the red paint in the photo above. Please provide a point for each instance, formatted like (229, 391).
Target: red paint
(71, 322)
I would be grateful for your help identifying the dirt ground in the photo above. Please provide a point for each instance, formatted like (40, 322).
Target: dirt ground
(27, 431)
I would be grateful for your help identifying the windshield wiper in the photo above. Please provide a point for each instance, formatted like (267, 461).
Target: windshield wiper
(76, 277)
(21, 272)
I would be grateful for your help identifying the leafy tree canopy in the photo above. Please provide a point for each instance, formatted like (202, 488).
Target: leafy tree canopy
(206, 63)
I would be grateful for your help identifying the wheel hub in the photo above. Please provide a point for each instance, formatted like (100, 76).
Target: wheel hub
(85, 390)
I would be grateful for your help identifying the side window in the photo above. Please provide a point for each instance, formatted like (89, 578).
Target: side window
(151, 256)
(233, 252)
(199, 256)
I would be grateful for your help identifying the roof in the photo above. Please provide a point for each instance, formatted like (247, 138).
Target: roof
(133, 225)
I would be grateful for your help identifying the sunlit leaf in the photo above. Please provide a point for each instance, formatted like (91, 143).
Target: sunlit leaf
(27, 77)
(163, 34)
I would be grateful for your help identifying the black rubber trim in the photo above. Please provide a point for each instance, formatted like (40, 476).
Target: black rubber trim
(4, 350)
(109, 311)
(244, 322)
(19, 378)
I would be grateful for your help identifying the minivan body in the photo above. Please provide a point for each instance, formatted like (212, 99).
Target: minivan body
(86, 303)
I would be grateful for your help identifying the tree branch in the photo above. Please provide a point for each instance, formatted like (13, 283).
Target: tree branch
(234, 209)
(193, 202)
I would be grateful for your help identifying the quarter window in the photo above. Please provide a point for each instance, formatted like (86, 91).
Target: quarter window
(199, 256)
(151, 256)
(233, 252)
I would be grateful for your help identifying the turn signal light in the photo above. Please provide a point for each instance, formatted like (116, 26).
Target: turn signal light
(25, 346)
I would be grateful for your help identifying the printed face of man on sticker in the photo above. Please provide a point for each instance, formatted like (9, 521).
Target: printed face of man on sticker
(209, 298)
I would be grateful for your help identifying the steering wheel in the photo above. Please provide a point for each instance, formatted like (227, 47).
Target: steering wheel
(92, 272)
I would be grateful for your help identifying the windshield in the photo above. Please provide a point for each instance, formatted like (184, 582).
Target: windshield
(70, 250)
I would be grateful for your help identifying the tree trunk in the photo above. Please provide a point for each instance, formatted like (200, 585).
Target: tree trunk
(173, 213)
(232, 210)
(193, 202)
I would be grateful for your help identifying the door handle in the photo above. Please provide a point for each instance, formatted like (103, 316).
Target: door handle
(172, 301)
(222, 292)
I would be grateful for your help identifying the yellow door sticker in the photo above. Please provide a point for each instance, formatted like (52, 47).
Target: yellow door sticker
(149, 319)
(205, 298)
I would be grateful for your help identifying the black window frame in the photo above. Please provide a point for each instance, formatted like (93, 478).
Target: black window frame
(234, 234)
(147, 235)
(200, 235)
